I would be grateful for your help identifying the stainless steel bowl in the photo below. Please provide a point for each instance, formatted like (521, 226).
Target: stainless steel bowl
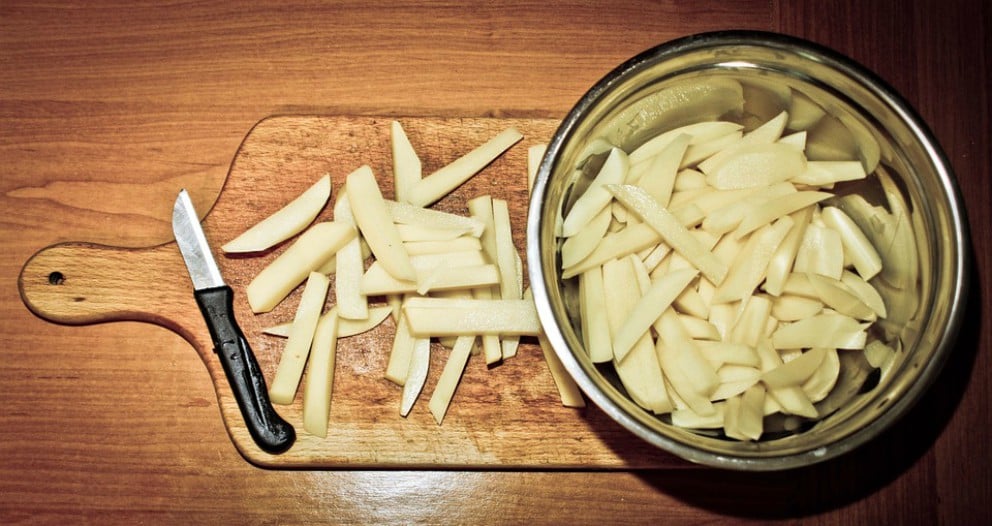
(665, 87)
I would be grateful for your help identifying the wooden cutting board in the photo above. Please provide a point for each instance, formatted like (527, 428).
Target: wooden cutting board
(506, 416)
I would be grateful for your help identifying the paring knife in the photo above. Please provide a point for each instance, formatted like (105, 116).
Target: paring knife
(215, 299)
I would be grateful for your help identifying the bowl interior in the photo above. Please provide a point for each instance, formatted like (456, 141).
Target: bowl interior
(748, 78)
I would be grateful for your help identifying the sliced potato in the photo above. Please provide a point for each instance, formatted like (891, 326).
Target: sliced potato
(448, 317)
(444, 391)
(407, 168)
(285, 223)
(373, 220)
(310, 250)
(596, 197)
(671, 230)
(438, 184)
(320, 377)
(294, 356)
(345, 328)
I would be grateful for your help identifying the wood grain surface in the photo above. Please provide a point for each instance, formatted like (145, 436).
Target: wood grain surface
(505, 416)
(108, 108)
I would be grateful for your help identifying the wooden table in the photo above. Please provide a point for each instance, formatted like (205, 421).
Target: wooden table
(107, 109)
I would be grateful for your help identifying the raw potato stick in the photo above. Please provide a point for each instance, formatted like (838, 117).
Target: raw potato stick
(373, 220)
(440, 183)
(671, 230)
(416, 376)
(320, 376)
(450, 317)
(345, 328)
(507, 262)
(568, 390)
(315, 246)
(349, 268)
(407, 170)
(444, 391)
(284, 223)
(294, 355)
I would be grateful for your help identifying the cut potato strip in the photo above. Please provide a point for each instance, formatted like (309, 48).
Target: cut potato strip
(320, 377)
(863, 255)
(401, 353)
(796, 140)
(407, 168)
(749, 328)
(760, 216)
(413, 233)
(825, 173)
(568, 390)
(407, 214)
(286, 222)
(438, 184)
(458, 244)
(788, 307)
(823, 330)
(719, 353)
(699, 329)
(575, 248)
(793, 400)
(596, 197)
(345, 328)
(310, 250)
(820, 252)
(751, 264)
(676, 372)
(640, 371)
(704, 150)
(349, 267)
(689, 419)
(378, 282)
(838, 297)
(781, 263)
(444, 391)
(615, 246)
(699, 132)
(510, 268)
(729, 217)
(648, 309)
(823, 380)
(596, 329)
(757, 165)
(689, 180)
(671, 230)
(449, 317)
(796, 371)
(686, 357)
(768, 133)
(750, 420)
(865, 292)
(294, 356)
(659, 178)
(373, 220)
(416, 376)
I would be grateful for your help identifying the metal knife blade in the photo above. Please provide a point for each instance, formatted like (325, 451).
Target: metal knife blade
(216, 301)
(203, 269)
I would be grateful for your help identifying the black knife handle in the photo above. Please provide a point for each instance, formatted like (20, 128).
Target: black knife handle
(271, 433)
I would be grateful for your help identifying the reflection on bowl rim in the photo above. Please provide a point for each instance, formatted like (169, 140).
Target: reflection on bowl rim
(893, 102)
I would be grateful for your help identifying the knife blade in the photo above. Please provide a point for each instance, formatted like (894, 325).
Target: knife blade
(216, 302)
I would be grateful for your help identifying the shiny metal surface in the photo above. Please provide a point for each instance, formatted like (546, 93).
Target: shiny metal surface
(660, 89)
(203, 269)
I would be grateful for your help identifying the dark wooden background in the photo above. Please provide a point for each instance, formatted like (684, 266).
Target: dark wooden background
(106, 108)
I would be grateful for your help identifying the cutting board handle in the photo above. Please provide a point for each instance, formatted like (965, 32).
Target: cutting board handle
(85, 283)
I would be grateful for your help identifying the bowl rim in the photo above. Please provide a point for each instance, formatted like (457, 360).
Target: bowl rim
(894, 102)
